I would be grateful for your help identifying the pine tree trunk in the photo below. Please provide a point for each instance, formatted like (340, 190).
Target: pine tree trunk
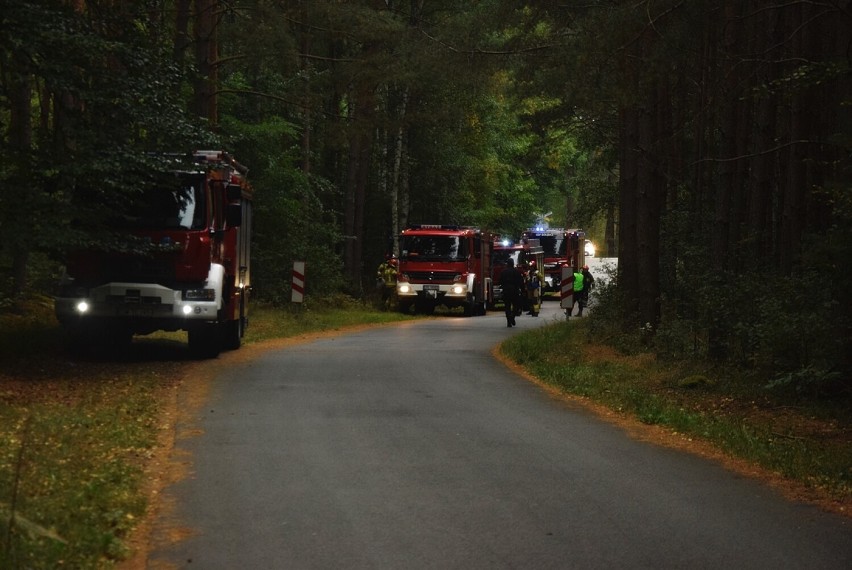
(628, 183)
(650, 198)
(206, 60)
(397, 168)
(20, 135)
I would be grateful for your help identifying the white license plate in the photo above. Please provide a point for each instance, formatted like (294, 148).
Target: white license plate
(134, 311)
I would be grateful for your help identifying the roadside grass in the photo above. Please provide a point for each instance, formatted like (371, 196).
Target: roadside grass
(329, 314)
(76, 434)
(808, 442)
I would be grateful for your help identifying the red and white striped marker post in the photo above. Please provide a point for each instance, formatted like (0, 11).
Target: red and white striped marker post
(567, 291)
(298, 294)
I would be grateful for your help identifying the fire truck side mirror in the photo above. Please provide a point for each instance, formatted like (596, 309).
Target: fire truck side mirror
(234, 215)
(233, 192)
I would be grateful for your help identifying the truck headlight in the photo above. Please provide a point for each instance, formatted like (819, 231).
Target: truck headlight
(82, 307)
(404, 288)
(458, 289)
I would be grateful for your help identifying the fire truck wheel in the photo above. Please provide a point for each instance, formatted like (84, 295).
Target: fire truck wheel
(233, 334)
(473, 307)
(404, 306)
(205, 341)
(469, 309)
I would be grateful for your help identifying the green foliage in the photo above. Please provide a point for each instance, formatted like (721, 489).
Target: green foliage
(291, 223)
(809, 381)
(103, 93)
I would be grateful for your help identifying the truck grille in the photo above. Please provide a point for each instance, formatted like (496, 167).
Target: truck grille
(141, 270)
(432, 276)
(130, 299)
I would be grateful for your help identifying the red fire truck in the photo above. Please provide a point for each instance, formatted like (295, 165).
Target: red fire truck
(525, 256)
(444, 265)
(191, 270)
(561, 247)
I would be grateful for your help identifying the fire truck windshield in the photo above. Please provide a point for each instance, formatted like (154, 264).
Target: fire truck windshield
(500, 257)
(433, 248)
(176, 206)
(553, 245)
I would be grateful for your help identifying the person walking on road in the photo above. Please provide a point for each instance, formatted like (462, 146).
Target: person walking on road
(512, 283)
(583, 282)
(578, 294)
(588, 284)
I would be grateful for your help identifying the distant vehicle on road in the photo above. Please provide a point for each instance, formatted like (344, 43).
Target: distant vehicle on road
(561, 247)
(445, 265)
(590, 248)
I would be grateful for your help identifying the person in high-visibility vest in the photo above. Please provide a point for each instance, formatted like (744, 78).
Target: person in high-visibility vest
(579, 293)
(583, 282)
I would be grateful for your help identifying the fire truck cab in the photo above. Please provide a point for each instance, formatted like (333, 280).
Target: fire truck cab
(527, 256)
(561, 247)
(444, 265)
(190, 270)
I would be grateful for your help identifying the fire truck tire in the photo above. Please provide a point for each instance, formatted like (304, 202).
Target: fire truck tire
(205, 341)
(470, 307)
(233, 332)
(473, 307)
(404, 307)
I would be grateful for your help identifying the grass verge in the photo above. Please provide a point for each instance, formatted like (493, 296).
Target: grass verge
(804, 442)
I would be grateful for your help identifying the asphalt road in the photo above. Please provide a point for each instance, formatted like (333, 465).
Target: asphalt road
(410, 447)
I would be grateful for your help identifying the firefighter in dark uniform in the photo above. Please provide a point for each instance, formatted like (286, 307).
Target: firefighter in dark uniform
(534, 280)
(512, 284)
